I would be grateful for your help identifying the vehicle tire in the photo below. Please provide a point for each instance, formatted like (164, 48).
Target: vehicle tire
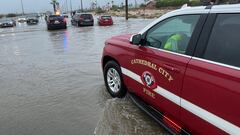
(113, 80)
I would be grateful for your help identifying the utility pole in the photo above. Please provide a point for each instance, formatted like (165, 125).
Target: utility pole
(135, 3)
(126, 8)
(81, 5)
(67, 6)
(22, 7)
(71, 5)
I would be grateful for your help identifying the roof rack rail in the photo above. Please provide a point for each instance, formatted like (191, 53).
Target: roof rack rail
(209, 7)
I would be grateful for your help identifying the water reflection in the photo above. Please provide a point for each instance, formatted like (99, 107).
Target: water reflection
(51, 83)
(66, 38)
(122, 117)
(60, 40)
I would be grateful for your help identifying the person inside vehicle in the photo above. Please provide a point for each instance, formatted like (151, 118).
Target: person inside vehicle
(178, 42)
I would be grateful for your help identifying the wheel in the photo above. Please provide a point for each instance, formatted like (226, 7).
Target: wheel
(113, 80)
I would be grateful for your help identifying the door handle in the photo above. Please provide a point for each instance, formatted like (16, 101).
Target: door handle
(171, 68)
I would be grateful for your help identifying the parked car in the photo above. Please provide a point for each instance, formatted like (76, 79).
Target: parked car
(183, 69)
(7, 23)
(32, 20)
(65, 15)
(22, 19)
(82, 19)
(56, 22)
(105, 20)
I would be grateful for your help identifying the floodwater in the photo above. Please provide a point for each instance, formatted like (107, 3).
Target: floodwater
(51, 83)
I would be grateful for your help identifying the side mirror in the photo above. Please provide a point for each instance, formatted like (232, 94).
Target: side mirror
(136, 39)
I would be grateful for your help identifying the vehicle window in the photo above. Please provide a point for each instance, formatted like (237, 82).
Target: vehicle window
(55, 17)
(86, 16)
(223, 45)
(173, 34)
(106, 17)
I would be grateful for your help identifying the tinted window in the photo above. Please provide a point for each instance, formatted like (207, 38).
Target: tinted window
(55, 17)
(106, 17)
(224, 42)
(86, 16)
(173, 34)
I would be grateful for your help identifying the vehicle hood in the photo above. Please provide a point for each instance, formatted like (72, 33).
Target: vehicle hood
(120, 38)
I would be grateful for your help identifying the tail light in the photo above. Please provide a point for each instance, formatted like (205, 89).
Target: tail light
(65, 20)
(81, 19)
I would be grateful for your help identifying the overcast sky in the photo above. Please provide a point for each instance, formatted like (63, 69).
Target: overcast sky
(13, 6)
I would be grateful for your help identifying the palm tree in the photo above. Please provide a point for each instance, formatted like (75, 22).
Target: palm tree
(54, 3)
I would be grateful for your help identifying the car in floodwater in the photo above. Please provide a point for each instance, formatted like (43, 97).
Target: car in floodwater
(32, 20)
(82, 19)
(22, 19)
(105, 20)
(183, 69)
(65, 15)
(56, 22)
(7, 23)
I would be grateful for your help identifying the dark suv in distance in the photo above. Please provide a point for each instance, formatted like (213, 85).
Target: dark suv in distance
(32, 20)
(56, 22)
(82, 20)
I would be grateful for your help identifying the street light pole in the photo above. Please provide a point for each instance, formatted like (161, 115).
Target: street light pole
(22, 7)
(71, 5)
(81, 5)
(67, 6)
(135, 3)
(126, 8)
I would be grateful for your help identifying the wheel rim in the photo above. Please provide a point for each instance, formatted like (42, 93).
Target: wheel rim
(113, 79)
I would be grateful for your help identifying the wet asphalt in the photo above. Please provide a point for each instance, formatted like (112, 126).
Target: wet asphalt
(51, 83)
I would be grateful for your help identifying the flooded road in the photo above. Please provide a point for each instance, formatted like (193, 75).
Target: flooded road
(51, 83)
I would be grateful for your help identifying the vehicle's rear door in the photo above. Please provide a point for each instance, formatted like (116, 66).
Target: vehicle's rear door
(211, 88)
(162, 69)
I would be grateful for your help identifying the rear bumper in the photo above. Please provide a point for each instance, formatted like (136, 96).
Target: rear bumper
(6, 25)
(57, 26)
(32, 22)
(105, 23)
(86, 23)
(21, 21)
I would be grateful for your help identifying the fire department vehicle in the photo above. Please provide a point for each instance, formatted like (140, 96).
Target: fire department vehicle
(183, 69)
